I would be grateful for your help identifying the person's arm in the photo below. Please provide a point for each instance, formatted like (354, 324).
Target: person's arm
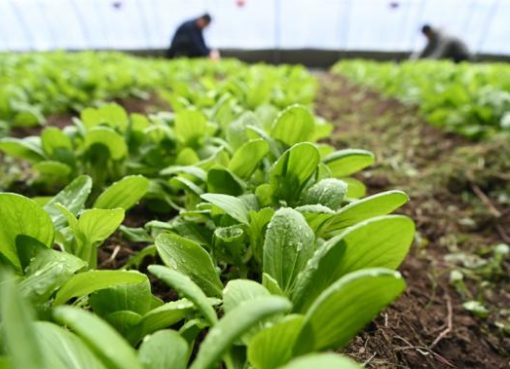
(428, 50)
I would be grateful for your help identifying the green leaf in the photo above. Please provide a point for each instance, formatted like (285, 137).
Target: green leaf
(26, 149)
(247, 158)
(19, 337)
(124, 193)
(231, 205)
(295, 124)
(329, 192)
(85, 283)
(72, 197)
(289, 244)
(322, 361)
(238, 291)
(379, 242)
(20, 216)
(343, 163)
(355, 188)
(112, 114)
(357, 211)
(164, 350)
(108, 138)
(234, 325)
(52, 171)
(292, 170)
(162, 317)
(221, 180)
(47, 272)
(258, 223)
(189, 258)
(190, 127)
(64, 350)
(102, 339)
(129, 297)
(272, 347)
(229, 244)
(98, 224)
(53, 139)
(185, 286)
(346, 306)
(315, 215)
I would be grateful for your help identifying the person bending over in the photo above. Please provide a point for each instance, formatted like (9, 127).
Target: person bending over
(188, 40)
(442, 46)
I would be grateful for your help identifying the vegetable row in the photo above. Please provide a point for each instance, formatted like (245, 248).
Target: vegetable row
(274, 252)
(469, 99)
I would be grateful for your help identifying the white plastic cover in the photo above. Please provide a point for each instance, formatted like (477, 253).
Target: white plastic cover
(326, 24)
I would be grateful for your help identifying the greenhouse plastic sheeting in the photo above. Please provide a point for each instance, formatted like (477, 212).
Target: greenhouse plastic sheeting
(260, 24)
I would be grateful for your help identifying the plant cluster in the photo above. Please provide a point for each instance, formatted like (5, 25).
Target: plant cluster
(275, 253)
(469, 99)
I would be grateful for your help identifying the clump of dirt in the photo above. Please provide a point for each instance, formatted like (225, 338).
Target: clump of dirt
(460, 210)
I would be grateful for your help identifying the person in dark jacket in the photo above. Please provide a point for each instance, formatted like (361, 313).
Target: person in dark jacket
(443, 46)
(188, 40)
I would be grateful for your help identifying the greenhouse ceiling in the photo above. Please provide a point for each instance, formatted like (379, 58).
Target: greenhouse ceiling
(252, 24)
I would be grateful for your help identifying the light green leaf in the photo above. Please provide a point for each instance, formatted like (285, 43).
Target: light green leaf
(47, 272)
(289, 244)
(52, 171)
(322, 361)
(189, 258)
(247, 158)
(357, 211)
(85, 283)
(355, 188)
(53, 139)
(164, 350)
(235, 324)
(221, 180)
(20, 216)
(107, 137)
(346, 307)
(72, 197)
(19, 337)
(162, 317)
(292, 170)
(231, 205)
(190, 127)
(112, 114)
(98, 224)
(124, 193)
(343, 163)
(272, 347)
(129, 297)
(238, 291)
(185, 286)
(26, 149)
(64, 350)
(102, 339)
(329, 192)
(295, 124)
(315, 215)
(378, 242)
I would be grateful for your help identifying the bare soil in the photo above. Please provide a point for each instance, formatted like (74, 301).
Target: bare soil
(454, 213)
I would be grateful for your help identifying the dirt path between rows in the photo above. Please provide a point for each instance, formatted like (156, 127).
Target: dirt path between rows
(427, 327)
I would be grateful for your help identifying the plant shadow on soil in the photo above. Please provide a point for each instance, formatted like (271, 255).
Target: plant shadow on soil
(457, 219)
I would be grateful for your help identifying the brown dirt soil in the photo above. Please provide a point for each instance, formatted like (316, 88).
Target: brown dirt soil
(427, 327)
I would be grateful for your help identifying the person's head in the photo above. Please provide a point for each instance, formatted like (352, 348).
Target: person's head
(203, 21)
(427, 30)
